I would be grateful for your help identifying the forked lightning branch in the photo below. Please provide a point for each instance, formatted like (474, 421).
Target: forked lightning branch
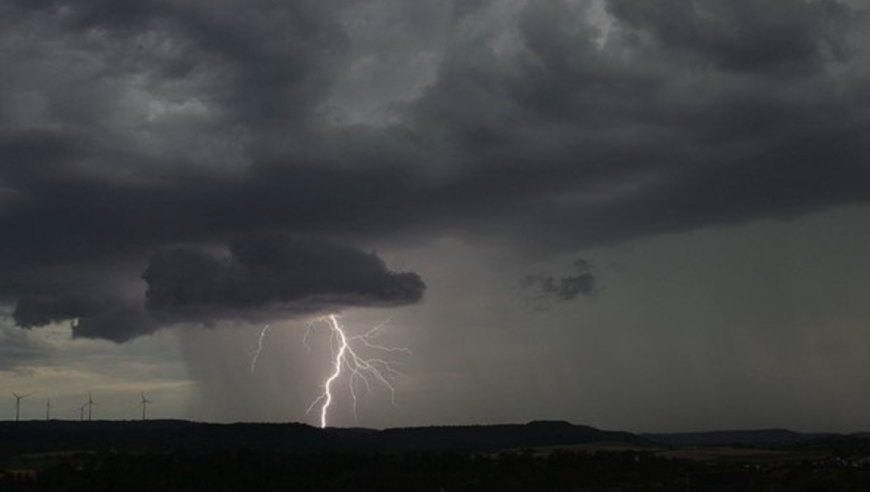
(349, 364)
(361, 372)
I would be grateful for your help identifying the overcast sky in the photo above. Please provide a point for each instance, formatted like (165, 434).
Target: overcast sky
(647, 216)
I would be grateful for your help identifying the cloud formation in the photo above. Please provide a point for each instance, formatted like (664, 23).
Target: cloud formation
(271, 276)
(118, 320)
(547, 290)
(546, 126)
(30, 312)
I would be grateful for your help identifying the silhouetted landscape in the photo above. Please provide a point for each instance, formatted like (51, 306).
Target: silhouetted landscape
(641, 214)
(175, 455)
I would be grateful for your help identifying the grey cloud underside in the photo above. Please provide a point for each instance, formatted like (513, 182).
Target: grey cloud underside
(271, 276)
(125, 129)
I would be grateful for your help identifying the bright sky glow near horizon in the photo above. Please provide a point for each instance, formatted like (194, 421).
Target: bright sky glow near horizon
(643, 216)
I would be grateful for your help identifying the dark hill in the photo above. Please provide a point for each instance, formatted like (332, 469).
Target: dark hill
(177, 435)
(493, 437)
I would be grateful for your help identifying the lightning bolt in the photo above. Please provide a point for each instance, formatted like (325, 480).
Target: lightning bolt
(259, 349)
(361, 371)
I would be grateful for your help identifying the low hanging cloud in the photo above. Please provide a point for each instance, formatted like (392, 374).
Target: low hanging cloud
(264, 277)
(547, 290)
(32, 312)
(271, 276)
(118, 320)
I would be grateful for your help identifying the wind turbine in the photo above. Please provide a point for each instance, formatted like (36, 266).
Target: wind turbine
(90, 404)
(48, 409)
(82, 412)
(18, 399)
(144, 404)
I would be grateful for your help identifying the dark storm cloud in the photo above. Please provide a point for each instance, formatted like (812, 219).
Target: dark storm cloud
(271, 276)
(126, 128)
(272, 58)
(110, 319)
(732, 113)
(32, 312)
(462, 8)
(753, 37)
(121, 321)
(546, 290)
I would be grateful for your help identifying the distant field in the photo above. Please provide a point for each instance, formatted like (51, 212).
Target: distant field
(695, 453)
(741, 454)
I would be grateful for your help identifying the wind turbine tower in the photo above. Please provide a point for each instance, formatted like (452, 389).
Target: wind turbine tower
(18, 399)
(90, 404)
(48, 409)
(144, 404)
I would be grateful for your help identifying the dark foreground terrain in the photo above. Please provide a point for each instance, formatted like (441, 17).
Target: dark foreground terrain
(546, 456)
